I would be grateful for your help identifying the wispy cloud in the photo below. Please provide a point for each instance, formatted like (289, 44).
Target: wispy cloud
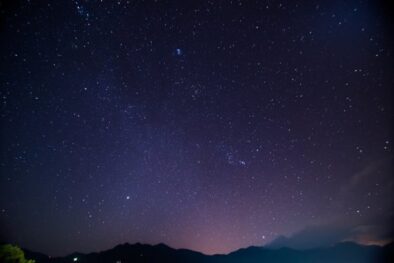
(312, 237)
(327, 235)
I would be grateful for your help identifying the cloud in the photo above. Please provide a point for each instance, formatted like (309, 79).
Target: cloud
(371, 172)
(376, 230)
(328, 235)
(371, 235)
(312, 237)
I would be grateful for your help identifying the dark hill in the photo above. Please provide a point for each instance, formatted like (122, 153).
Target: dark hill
(127, 253)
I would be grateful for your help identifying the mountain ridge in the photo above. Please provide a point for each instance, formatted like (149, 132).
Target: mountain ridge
(138, 252)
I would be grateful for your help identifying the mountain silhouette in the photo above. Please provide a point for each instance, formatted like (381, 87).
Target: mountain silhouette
(126, 253)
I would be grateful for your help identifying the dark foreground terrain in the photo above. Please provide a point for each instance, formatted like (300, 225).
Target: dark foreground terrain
(126, 253)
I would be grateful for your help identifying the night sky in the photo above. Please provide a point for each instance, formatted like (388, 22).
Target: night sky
(208, 125)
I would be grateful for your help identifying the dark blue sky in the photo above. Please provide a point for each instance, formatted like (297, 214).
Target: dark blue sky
(209, 125)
